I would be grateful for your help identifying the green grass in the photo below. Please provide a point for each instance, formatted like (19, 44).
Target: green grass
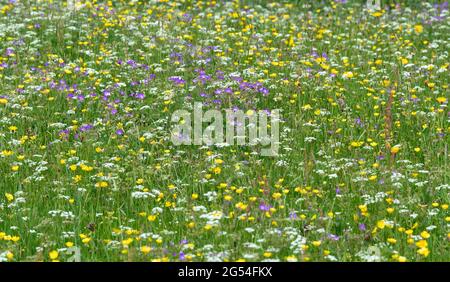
(351, 84)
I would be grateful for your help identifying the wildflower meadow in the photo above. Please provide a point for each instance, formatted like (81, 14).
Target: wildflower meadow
(321, 132)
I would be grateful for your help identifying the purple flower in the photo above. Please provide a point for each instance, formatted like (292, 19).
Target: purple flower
(333, 237)
(177, 80)
(202, 77)
(9, 51)
(219, 75)
(86, 127)
(182, 256)
(293, 215)
(264, 91)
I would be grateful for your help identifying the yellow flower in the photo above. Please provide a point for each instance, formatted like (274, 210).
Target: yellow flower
(418, 28)
(348, 74)
(316, 243)
(381, 224)
(15, 168)
(69, 244)
(377, 14)
(356, 144)
(425, 234)
(423, 251)
(156, 260)
(53, 255)
(291, 258)
(7, 153)
(9, 197)
(127, 241)
(362, 208)
(392, 240)
(86, 240)
(151, 218)
(422, 244)
(145, 249)
(77, 178)
(276, 195)
(86, 167)
(9, 255)
(3, 101)
(441, 99)
(101, 184)
(395, 149)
